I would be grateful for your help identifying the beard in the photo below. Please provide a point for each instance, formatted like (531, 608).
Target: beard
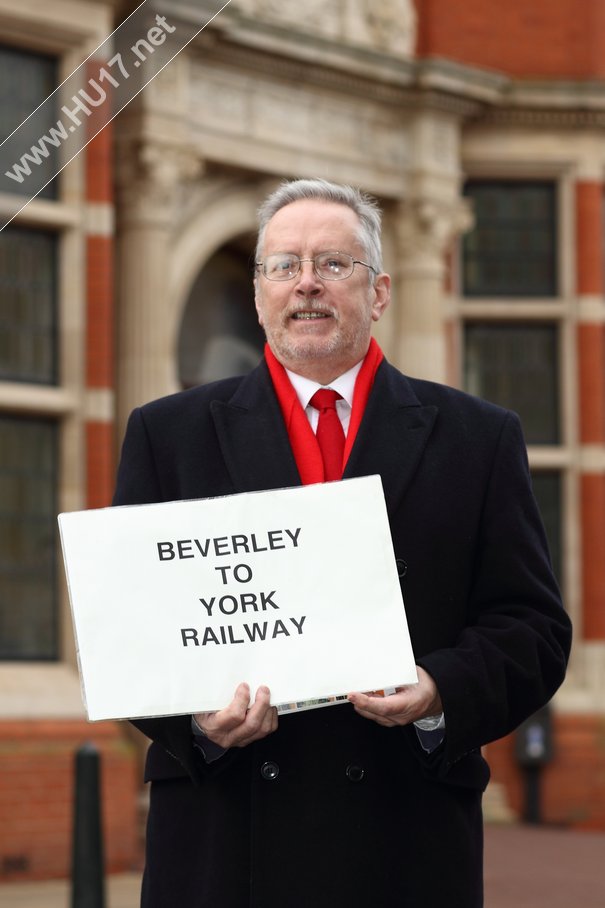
(343, 342)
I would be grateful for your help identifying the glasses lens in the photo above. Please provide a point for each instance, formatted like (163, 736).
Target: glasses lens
(281, 266)
(334, 266)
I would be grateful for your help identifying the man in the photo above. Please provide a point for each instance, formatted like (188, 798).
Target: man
(375, 802)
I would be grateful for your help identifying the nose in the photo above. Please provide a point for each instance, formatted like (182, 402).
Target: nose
(307, 282)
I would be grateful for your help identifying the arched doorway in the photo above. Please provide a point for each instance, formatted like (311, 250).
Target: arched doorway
(219, 335)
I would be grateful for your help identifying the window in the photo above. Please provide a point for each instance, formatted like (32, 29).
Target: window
(28, 482)
(26, 80)
(512, 357)
(28, 305)
(547, 489)
(515, 364)
(28, 447)
(511, 250)
(28, 355)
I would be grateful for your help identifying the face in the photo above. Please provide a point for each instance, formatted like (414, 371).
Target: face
(318, 328)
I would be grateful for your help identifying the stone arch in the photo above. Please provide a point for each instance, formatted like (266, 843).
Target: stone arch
(226, 214)
(219, 334)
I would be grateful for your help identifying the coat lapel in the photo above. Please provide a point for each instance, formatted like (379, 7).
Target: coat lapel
(253, 438)
(391, 439)
(392, 436)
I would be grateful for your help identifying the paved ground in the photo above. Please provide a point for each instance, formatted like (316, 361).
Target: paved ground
(525, 867)
(532, 867)
(122, 892)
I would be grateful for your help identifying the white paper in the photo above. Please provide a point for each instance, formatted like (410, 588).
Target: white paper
(310, 570)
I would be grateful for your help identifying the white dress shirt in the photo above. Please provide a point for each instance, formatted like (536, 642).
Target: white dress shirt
(344, 385)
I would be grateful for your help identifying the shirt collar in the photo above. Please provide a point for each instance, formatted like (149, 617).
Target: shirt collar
(345, 385)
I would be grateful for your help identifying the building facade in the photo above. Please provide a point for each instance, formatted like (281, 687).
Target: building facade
(479, 129)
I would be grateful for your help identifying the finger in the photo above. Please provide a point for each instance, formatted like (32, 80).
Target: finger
(256, 727)
(247, 735)
(259, 713)
(239, 723)
(373, 717)
(241, 699)
(232, 715)
(379, 706)
(274, 719)
(262, 697)
(270, 721)
(394, 710)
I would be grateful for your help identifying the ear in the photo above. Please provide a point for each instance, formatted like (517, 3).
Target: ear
(382, 295)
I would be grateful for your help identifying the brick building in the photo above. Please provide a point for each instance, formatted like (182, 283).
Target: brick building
(480, 128)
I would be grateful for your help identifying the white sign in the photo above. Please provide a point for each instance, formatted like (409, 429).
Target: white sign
(174, 604)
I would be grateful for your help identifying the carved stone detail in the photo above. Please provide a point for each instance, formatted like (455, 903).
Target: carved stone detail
(385, 25)
(391, 25)
(322, 17)
(149, 175)
(426, 227)
(305, 120)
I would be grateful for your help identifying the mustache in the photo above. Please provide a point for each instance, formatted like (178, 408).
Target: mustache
(310, 305)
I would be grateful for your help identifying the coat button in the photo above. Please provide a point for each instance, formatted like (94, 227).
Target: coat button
(269, 771)
(402, 567)
(355, 773)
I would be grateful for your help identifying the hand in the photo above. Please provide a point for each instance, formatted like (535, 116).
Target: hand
(408, 704)
(239, 723)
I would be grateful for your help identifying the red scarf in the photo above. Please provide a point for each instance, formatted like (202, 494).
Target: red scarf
(302, 438)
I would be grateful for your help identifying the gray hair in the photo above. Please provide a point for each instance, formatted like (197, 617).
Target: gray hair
(365, 207)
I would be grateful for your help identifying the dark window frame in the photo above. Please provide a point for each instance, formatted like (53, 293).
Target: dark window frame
(24, 375)
(22, 100)
(520, 325)
(46, 524)
(554, 527)
(481, 258)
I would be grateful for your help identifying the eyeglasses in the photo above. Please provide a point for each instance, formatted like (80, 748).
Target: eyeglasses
(329, 266)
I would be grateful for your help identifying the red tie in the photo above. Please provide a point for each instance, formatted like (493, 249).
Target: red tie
(330, 434)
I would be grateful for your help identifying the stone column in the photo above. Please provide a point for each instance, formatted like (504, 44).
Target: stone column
(149, 175)
(425, 230)
(430, 216)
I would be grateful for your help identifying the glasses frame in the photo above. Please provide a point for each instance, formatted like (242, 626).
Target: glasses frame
(280, 280)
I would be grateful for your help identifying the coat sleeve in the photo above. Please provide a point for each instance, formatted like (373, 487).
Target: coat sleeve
(511, 656)
(138, 482)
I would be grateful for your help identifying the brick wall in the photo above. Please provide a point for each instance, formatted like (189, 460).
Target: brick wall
(99, 322)
(542, 38)
(37, 768)
(37, 756)
(573, 785)
(590, 286)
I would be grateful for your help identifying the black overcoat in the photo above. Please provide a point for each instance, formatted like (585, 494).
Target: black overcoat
(359, 816)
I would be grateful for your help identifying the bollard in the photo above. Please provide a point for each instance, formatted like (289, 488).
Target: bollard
(534, 750)
(87, 871)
